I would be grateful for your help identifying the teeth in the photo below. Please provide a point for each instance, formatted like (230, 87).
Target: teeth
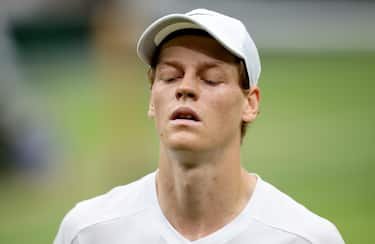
(185, 117)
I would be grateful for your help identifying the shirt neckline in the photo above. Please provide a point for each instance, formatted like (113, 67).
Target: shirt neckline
(222, 235)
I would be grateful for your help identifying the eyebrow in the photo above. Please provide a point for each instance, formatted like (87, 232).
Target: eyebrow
(203, 65)
(174, 64)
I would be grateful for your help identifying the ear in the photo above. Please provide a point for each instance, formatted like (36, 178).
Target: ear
(151, 109)
(251, 105)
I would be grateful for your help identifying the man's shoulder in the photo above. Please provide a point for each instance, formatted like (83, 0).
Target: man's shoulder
(120, 202)
(279, 211)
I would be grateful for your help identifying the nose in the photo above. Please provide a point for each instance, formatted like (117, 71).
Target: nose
(187, 89)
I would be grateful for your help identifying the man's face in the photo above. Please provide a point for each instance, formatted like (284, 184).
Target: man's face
(196, 99)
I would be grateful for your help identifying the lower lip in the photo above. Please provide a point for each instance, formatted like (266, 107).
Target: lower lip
(186, 122)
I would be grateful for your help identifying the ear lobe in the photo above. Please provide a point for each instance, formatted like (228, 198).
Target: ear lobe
(151, 110)
(251, 105)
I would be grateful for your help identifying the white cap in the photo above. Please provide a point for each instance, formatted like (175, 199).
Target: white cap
(228, 31)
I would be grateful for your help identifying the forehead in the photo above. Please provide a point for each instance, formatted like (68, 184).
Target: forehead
(202, 46)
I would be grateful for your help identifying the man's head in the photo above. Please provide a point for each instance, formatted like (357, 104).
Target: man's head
(226, 33)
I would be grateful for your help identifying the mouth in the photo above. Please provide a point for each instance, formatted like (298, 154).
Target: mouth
(185, 113)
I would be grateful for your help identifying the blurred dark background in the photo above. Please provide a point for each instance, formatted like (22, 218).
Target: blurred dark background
(74, 97)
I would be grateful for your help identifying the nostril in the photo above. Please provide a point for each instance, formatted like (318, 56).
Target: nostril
(186, 95)
(191, 95)
(184, 92)
(178, 95)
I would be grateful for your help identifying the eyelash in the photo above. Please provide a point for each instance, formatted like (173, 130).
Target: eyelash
(170, 79)
(209, 82)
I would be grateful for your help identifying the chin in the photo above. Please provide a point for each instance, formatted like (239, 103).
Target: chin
(185, 143)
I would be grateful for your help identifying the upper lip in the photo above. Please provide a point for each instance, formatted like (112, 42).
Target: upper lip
(185, 113)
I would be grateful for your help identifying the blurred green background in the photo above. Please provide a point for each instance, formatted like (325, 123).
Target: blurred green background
(314, 138)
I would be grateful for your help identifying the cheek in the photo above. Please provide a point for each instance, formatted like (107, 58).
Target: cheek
(161, 101)
(229, 108)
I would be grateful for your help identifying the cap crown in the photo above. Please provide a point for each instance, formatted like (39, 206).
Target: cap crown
(228, 31)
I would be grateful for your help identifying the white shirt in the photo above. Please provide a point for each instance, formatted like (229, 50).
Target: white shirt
(131, 214)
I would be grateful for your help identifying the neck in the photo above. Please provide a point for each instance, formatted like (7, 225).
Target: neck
(202, 193)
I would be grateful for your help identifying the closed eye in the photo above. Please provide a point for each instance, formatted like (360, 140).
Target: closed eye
(212, 82)
(170, 79)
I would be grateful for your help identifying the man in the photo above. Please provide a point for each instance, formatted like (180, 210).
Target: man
(204, 73)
